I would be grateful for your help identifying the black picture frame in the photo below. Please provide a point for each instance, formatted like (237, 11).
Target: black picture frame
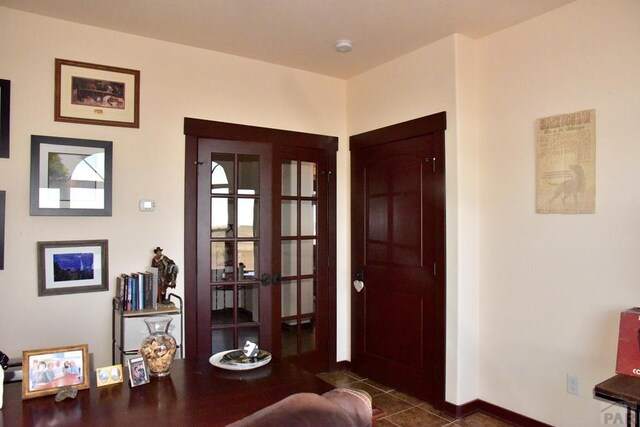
(3, 204)
(70, 177)
(5, 122)
(73, 266)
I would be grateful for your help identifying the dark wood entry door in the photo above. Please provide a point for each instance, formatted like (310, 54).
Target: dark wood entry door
(398, 252)
(263, 243)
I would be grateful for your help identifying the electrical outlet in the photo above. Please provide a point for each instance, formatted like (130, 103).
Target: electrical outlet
(573, 384)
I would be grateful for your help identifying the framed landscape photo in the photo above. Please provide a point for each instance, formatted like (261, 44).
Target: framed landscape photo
(46, 371)
(5, 104)
(71, 267)
(70, 176)
(96, 94)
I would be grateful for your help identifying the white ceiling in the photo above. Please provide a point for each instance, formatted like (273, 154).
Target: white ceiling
(298, 33)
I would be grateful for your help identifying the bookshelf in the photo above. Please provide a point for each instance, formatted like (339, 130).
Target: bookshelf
(129, 329)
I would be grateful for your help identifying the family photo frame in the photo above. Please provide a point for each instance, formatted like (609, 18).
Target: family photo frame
(138, 371)
(70, 267)
(46, 371)
(96, 94)
(70, 177)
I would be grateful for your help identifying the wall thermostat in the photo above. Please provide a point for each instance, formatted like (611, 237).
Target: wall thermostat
(147, 205)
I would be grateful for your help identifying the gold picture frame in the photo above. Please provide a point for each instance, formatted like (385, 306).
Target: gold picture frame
(96, 94)
(46, 371)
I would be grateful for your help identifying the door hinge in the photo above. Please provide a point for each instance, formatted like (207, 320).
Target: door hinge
(435, 269)
(327, 174)
(433, 162)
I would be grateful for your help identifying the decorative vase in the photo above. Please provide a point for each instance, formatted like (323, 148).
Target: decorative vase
(159, 348)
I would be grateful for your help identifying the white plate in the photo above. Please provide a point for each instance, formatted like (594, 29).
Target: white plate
(215, 360)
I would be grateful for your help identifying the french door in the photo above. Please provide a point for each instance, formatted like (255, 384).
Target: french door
(263, 246)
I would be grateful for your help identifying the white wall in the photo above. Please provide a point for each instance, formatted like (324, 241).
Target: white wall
(552, 286)
(176, 82)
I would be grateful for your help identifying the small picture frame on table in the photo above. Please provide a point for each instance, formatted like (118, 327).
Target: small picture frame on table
(109, 375)
(138, 371)
(46, 371)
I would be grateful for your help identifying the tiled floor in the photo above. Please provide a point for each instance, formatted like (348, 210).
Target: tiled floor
(403, 410)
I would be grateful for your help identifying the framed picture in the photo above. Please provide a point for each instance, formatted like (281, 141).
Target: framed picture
(3, 204)
(47, 370)
(70, 176)
(5, 103)
(109, 375)
(138, 372)
(96, 94)
(72, 267)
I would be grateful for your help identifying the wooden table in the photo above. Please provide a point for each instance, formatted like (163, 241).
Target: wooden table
(196, 393)
(623, 390)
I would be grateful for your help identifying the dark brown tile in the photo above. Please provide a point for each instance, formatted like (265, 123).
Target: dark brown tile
(407, 398)
(362, 385)
(417, 416)
(429, 408)
(378, 385)
(389, 404)
(354, 375)
(384, 423)
(337, 378)
(480, 420)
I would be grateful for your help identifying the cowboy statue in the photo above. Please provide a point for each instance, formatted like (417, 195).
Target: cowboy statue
(167, 274)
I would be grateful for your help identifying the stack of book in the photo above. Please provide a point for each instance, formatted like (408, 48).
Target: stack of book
(137, 291)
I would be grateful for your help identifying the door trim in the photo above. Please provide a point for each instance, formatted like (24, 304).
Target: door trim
(198, 128)
(410, 129)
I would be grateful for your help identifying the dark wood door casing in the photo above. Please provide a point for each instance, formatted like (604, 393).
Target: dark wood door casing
(423, 131)
(194, 129)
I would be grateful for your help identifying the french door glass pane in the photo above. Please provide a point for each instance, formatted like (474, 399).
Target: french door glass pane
(222, 173)
(307, 257)
(248, 333)
(308, 178)
(248, 304)
(289, 298)
(248, 268)
(221, 261)
(289, 178)
(221, 339)
(289, 218)
(308, 217)
(289, 257)
(221, 305)
(248, 174)
(308, 335)
(222, 213)
(289, 338)
(248, 217)
(307, 296)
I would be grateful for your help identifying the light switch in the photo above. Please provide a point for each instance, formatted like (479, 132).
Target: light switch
(147, 205)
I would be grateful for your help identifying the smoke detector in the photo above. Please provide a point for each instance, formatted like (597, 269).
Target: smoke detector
(343, 46)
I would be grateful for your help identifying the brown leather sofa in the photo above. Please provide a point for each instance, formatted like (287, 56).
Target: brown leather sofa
(339, 407)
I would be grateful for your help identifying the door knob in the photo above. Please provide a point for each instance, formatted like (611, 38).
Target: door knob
(265, 279)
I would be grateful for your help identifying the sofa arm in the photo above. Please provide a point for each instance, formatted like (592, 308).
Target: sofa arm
(339, 407)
